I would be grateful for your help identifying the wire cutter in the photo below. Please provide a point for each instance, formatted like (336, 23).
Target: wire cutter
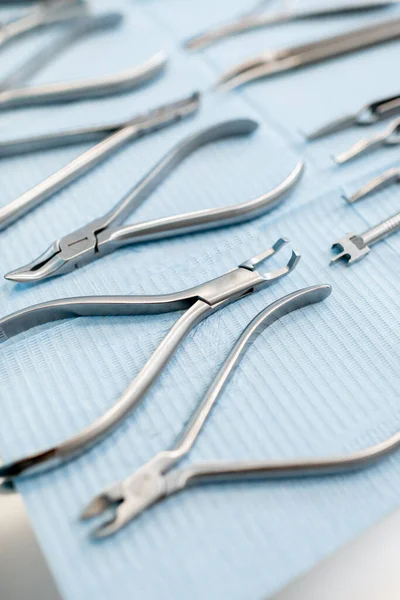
(12, 96)
(115, 136)
(102, 236)
(156, 480)
(273, 62)
(256, 19)
(197, 303)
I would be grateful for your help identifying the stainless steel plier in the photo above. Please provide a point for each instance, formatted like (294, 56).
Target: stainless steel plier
(157, 479)
(197, 303)
(103, 235)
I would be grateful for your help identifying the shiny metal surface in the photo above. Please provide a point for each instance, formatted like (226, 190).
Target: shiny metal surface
(81, 27)
(372, 113)
(43, 15)
(153, 481)
(354, 247)
(389, 137)
(95, 87)
(198, 303)
(102, 236)
(256, 20)
(378, 183)
(274, 62)
(131, 130)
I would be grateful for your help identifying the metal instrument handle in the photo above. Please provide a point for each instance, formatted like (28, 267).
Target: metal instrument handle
(169, 162)
(96, 87)
(82, 164)
(200, 220)
(381, 231)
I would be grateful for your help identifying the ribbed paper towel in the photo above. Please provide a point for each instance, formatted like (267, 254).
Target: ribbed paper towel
(323, 380)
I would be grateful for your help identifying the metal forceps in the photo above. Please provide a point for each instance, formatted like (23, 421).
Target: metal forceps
(287, 59)
(197, 303)
(51, 13)
(116, 136)
(103, 235)
(257, 19)
(12, 96)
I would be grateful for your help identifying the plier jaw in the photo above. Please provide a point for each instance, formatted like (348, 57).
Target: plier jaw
(63, 256)
(126, 500)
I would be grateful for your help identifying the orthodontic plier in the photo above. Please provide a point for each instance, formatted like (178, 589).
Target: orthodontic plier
(103, 235)
(274, 62)
(197, 303)
(256, 19)
(155, 480)
(12, 96)
(116, 136)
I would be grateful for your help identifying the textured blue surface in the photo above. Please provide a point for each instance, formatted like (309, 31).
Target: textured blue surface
(323, 380)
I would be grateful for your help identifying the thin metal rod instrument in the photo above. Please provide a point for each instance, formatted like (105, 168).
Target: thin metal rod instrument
(197, 303)
(104, 234)
(287, 59)
(388, 137)
(58, 11)
(354, 247)
(13, 97)
(257, 19)
(370, 114)
(130, 130)
(156, 480)
(378, 183)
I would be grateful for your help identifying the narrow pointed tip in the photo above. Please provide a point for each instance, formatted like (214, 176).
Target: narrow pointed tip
(13, 276)
(96, 507)
(7, 486)
(342, 158)
(356, 197)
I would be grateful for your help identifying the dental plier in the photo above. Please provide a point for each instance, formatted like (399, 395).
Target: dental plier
(116, 136)
(273, 62)
(157, 480)
(12, 96)
(102, 236)
(197, 303)
(257, 19)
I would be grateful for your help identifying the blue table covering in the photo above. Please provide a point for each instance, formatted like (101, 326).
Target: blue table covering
(324, 380)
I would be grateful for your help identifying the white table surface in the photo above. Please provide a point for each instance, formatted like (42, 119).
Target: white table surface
(367, 568)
